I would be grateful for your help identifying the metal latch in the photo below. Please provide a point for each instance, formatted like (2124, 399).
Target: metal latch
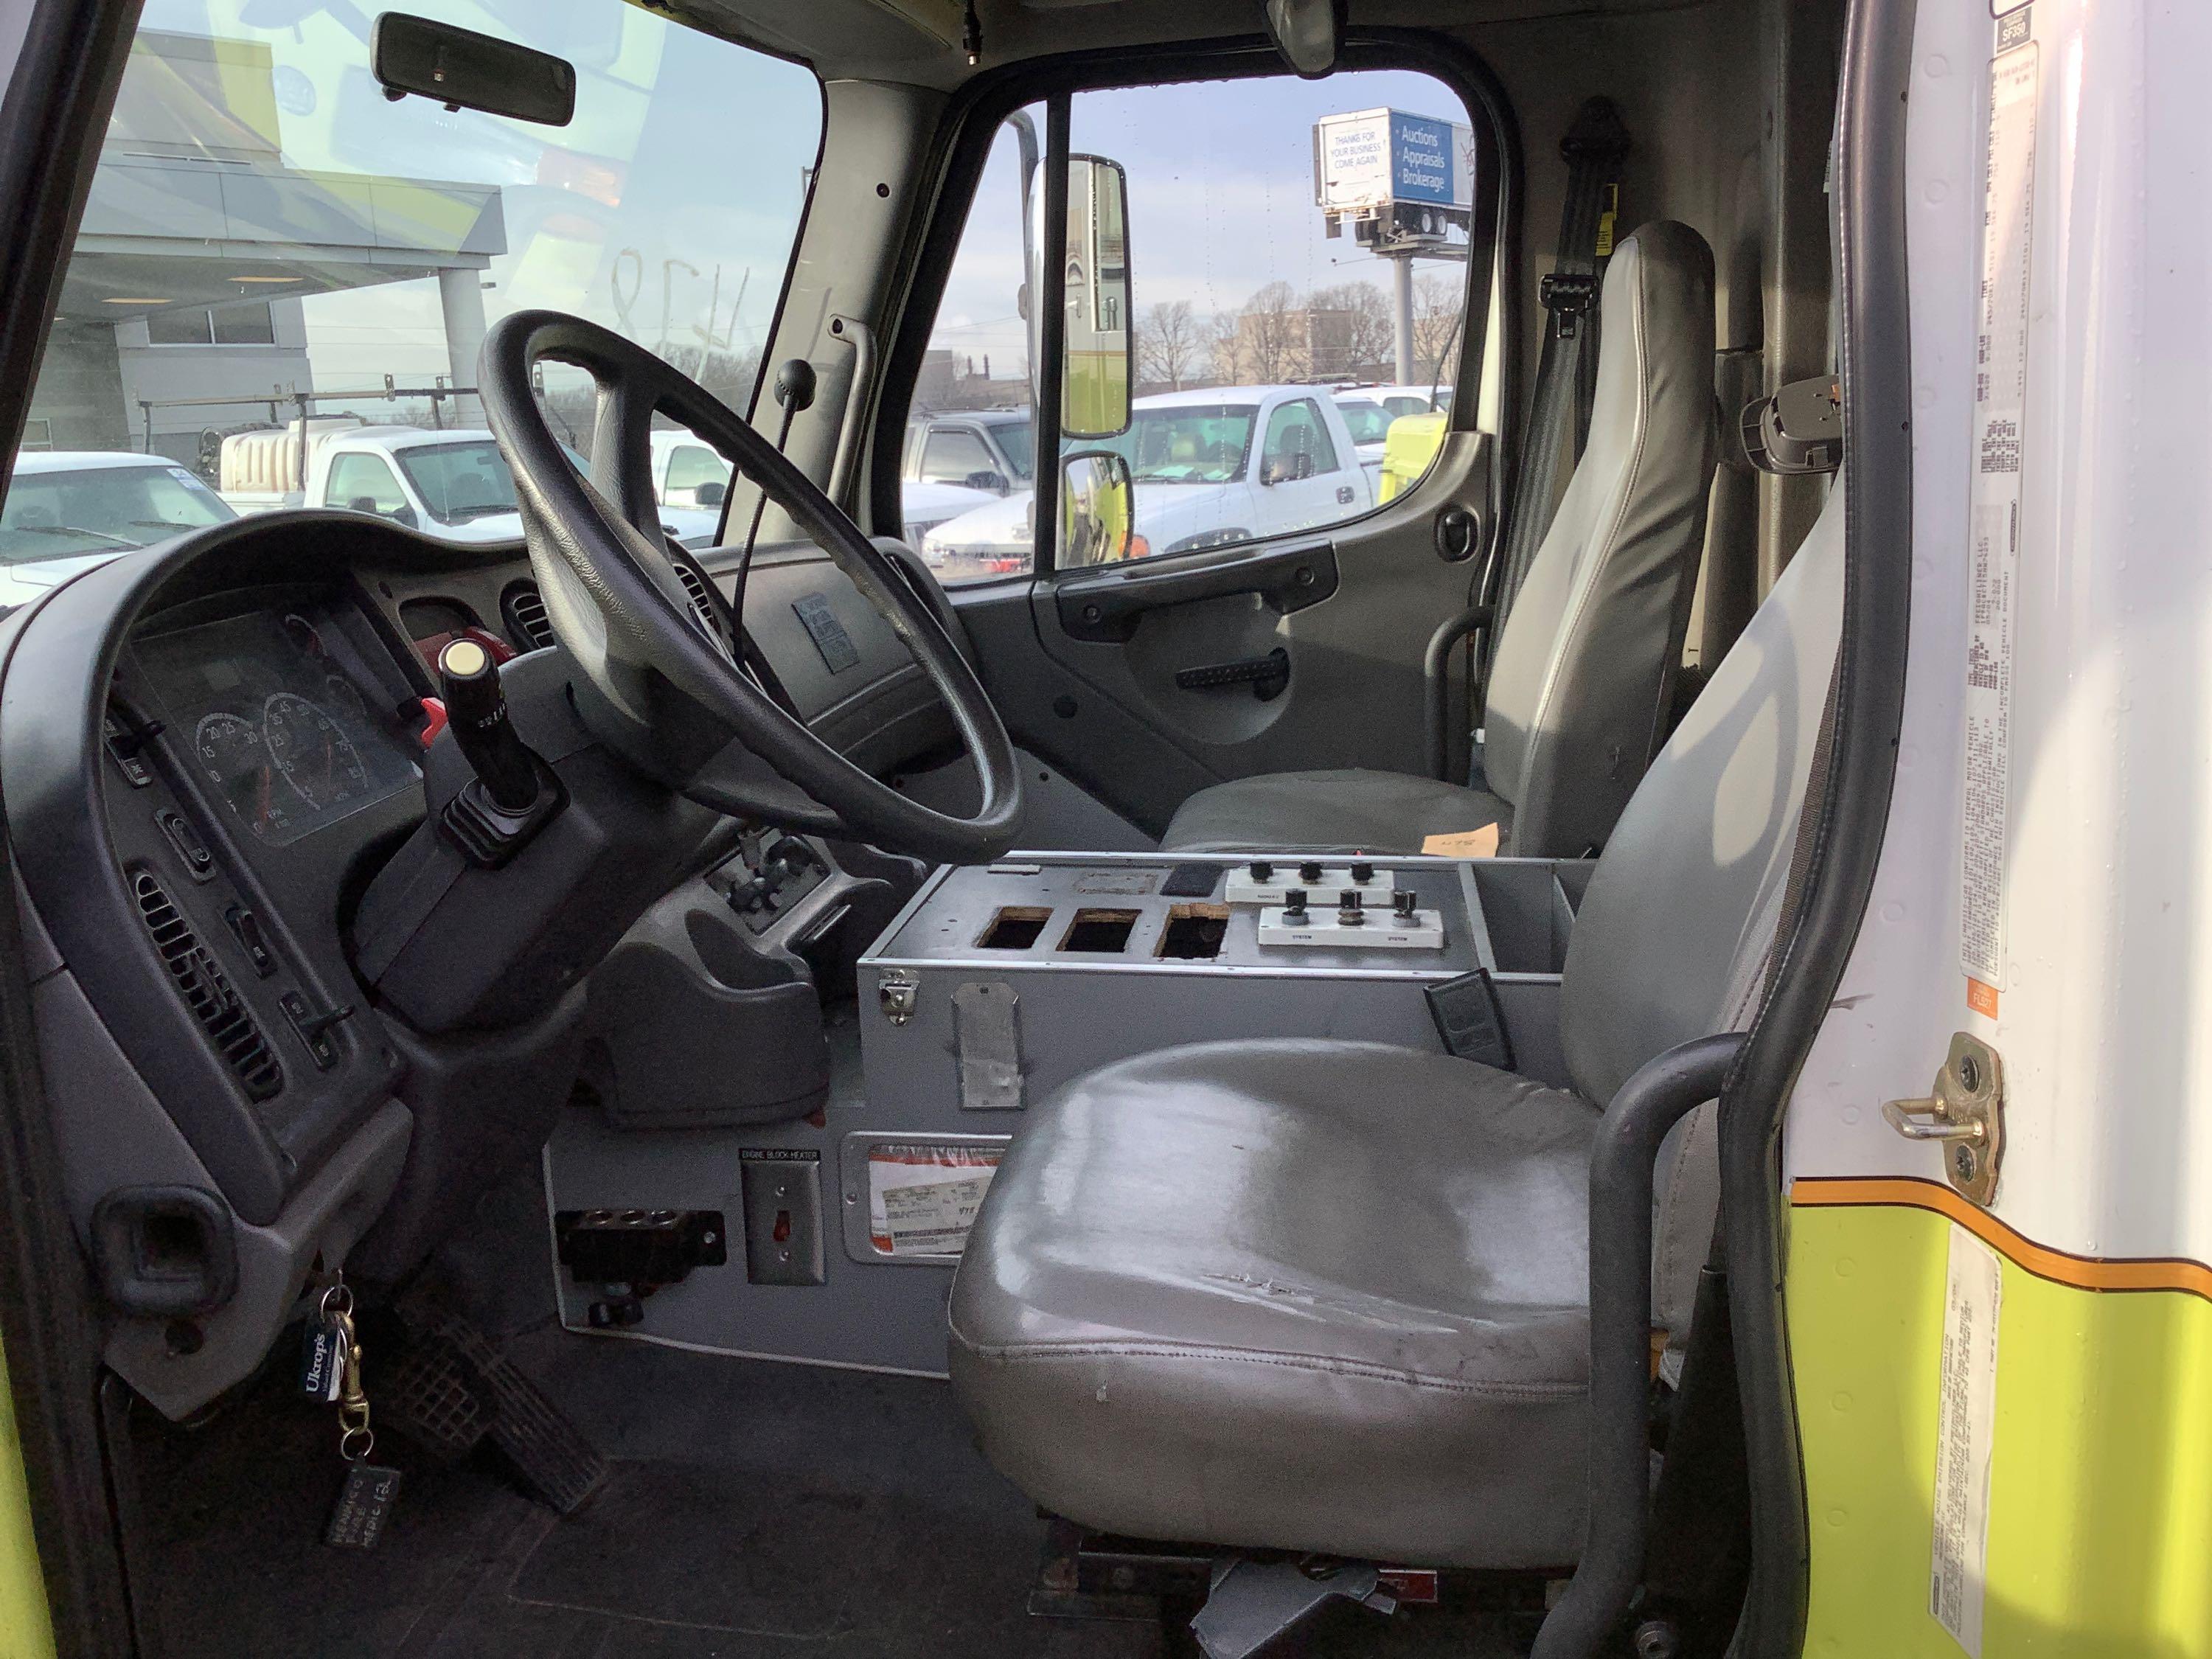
(896, 994)
(1965, 1109)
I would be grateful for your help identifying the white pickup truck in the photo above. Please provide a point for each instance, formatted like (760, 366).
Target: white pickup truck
(453, 484)
(1226, 465)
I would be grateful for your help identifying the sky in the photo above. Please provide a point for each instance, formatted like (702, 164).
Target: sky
(667, 208)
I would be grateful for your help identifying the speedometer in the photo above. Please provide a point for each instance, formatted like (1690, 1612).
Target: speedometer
(233, 758)
(311, 752)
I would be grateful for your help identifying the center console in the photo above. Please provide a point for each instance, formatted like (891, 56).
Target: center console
(845, 1206)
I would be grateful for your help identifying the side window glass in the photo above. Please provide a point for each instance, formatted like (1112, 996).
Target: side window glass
(1269, 222)
(363, 483)
(1297, 445)
(966, 502)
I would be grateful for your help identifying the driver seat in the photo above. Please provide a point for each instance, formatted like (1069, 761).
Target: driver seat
(1333, 1296)
(1583, 674)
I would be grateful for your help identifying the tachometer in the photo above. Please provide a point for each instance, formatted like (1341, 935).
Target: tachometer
(311, 752)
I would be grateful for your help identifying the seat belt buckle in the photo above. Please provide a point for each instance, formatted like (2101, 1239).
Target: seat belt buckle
(1567, 296)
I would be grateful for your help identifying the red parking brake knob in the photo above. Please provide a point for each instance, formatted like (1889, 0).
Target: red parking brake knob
(434, 720)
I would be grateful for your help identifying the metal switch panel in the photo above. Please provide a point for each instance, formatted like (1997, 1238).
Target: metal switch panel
(783, 1214)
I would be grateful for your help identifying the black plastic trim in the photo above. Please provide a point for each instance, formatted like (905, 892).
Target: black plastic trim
(1869, 692)
(1106, 608)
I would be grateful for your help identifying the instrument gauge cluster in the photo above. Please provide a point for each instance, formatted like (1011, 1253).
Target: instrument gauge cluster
(281, 727)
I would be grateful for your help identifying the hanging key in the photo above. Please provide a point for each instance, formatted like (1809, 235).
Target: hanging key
(371, 1489)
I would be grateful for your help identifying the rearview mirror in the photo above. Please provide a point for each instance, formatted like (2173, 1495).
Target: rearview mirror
(463, 70)
(1097, 505)
(1307, 33)
(1095, 354)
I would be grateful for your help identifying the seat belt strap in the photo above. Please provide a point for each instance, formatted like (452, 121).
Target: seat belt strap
(1566, 373)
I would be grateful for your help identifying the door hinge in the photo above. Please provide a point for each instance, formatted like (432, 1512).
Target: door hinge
(1966, 1111)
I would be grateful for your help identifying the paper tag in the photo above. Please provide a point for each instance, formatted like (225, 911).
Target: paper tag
(923, 1198)
(1463, 844)
(1965, 1429)
(1994, 519)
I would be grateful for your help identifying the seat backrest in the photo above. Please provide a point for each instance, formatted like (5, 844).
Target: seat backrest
(1673, 939)
(1585, 668)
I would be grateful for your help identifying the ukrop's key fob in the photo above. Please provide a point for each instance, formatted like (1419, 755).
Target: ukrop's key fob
(323, 1360)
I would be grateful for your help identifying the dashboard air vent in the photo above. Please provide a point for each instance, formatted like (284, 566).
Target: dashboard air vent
(523, 609)
(695, 587)
(200, 981)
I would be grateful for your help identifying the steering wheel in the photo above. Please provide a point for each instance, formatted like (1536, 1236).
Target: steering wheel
(662, 682)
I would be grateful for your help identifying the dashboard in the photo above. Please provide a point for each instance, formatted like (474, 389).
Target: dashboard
(209, 750)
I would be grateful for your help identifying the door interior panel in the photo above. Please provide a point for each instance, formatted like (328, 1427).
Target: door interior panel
(1091, 679)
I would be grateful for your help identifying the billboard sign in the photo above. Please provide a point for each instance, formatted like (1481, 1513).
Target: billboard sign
(1376, 157)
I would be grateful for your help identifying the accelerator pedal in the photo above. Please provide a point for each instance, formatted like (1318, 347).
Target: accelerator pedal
(450, 1388)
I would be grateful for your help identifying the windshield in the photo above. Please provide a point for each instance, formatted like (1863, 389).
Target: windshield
(1194, 443)
(56, 515)
(1369, 422)
(270, 242)
(460, 481)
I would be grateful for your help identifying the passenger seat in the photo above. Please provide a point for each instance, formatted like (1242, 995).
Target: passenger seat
(1584, 670)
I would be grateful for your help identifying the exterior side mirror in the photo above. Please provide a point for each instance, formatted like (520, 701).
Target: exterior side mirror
(993, 481)
(710, 495)
(408, 516)
(1097, 508)
(1096, 354)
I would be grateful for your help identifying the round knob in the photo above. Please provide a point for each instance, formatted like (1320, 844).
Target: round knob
(1402, 902)
(1262, 870)
(1310, 874)
(1363, 872)
(1294, 904)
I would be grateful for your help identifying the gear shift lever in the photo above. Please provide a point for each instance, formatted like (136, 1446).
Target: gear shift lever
(475, 713)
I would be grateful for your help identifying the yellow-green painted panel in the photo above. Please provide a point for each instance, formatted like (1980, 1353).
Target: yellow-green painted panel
(2100, 1483)
(25, 1632)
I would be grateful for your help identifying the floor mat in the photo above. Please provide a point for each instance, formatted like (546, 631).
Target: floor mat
(757, 1511)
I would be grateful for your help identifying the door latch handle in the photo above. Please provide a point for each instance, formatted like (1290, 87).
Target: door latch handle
(1267, 676)
(1964, 1109)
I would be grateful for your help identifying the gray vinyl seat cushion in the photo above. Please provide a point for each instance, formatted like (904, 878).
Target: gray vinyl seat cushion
(1336, 1224)
(1351, 811)
(1583, 679)
(1331, 1296)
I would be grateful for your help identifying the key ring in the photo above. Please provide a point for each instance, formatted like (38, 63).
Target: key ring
(337, 1302)
(354, 1444)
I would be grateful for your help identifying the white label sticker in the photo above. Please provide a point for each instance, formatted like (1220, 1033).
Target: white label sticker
(1994, 522)
(922, 1199)
(1966, 1427)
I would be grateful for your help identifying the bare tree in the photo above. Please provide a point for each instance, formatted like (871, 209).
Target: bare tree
(1438, 305)
(1168, 344)
(1358, 329)
(1221, 347)
(1270, 336)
